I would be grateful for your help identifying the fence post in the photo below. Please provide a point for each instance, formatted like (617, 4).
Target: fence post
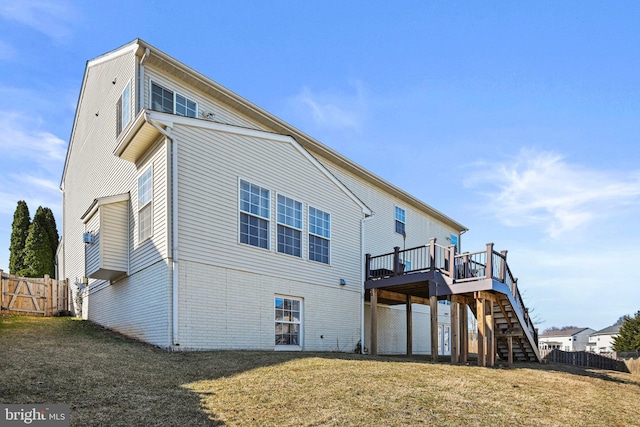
(1, 288)
(489, 267)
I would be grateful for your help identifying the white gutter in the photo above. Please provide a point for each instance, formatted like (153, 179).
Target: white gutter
(174, 229)
(362, 280)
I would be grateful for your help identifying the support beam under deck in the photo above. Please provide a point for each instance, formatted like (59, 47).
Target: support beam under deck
(434, 327)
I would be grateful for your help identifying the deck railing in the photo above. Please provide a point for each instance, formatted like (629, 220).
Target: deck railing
(412, 260)
(464, 267)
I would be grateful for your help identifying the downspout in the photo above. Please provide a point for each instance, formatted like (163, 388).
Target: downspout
(362, 280)
(460, 240)
(174, 230)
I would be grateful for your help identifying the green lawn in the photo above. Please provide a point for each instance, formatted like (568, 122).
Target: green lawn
(111, 380)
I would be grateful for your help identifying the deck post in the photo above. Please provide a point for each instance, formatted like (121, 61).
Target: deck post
(491, 336)
(466, 272)
(514, 286)
(482, 319)
(409, 327)
(396, 261)
(455, 320)
(464, 333)
(432, 253)
(374, 322)
(452, 261)
(503, 269)
(367, 267)
(433, 305)
(489, 267)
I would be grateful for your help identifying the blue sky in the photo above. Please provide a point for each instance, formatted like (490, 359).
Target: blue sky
(518, 119)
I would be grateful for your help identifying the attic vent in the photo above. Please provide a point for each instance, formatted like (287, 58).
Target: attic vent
(87, 238)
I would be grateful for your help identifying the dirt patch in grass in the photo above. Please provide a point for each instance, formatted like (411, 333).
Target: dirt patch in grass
(111, 380)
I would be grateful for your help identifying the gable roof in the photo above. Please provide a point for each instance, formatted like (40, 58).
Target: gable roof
(609, 330)
(169, 64)
(155, 121)
(563, 333)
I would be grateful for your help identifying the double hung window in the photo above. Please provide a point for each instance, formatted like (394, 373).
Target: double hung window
(145, 205)
(400, 220)
(123, 109)
(319, 235)
(288, 321)
(255, 203)
(289, 226)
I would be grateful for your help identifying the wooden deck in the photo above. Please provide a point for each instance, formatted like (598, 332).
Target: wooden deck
(481, 281)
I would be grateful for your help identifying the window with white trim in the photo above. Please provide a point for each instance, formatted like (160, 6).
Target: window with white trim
(319, 235)
(288, 321)
(145, 205)
(255, 203)
(400, 220)
(289, 226)
(123, 109)
(166, 101)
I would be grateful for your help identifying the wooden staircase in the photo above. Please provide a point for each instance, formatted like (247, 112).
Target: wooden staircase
(480, 280)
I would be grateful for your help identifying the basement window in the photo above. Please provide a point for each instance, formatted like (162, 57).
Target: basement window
(288, 321)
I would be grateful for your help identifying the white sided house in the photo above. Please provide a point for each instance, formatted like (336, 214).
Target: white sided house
(571, 339)
(602, 341)
(193, 219)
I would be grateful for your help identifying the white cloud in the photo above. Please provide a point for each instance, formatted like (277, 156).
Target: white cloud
(21, 138)
(52, 18)
(543, 189)
(334, 110)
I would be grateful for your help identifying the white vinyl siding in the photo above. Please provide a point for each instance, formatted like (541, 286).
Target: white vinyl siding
(92, 171)
(205, 105)
(209, 206)
(137, 306)
(380, 231)
(107, 257)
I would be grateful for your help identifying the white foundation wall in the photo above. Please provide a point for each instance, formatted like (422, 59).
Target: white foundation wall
(392, 328)
(138, 306)
(222, 308)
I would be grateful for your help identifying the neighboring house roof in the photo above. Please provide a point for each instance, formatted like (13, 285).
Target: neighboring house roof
(163, 61)
(563, 333)
(610, 330)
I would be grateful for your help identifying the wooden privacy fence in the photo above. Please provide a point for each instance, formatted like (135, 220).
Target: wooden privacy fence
(30, 296)
(583, 358)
